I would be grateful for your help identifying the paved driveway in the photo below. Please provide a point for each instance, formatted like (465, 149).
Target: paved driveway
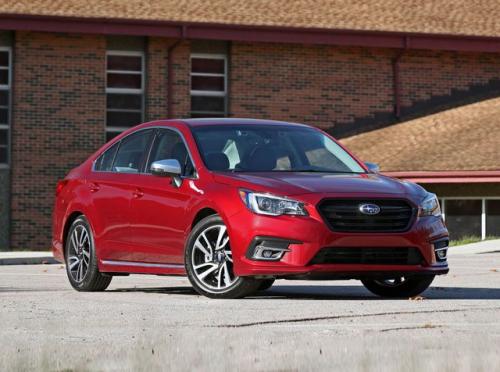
(153, 323)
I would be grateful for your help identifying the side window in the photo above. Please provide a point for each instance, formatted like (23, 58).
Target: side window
(105, 161)
(169, 145)
(132, 152)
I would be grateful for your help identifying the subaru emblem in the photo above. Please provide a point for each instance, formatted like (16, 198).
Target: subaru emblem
(370, 209)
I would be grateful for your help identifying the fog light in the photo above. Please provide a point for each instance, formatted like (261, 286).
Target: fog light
(441, 249)
(267, 253)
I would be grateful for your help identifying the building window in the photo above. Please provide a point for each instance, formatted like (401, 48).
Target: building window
(208, 85)
(5, 83)
(124, 91)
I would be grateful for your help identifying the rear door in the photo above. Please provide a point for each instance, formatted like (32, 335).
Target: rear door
(114, 185)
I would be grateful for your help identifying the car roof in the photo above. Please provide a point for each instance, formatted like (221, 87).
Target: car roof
(234, 121)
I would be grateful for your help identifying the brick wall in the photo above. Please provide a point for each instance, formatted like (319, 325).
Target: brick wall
(181, 85)
(334, 86)
(157, 78)
(4, 209)
(58, 121)
(432, 73)
(313, 84)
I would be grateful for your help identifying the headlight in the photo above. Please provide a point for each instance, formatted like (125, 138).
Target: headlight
(272, 205)
(430, 206)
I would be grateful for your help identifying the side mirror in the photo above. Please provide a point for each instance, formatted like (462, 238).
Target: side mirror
(372, 167)
(166, 168)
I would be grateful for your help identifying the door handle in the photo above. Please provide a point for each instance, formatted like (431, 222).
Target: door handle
(94, 187)
(138, 193)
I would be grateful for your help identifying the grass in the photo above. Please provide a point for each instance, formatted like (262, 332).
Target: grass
(470, 239)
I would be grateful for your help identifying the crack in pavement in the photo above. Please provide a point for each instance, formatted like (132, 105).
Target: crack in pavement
(425, 326)
(334, 317)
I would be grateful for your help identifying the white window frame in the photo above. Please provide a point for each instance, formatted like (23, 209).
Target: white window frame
(210, 93)
(7, 87)
(484, 217)
(141, 91)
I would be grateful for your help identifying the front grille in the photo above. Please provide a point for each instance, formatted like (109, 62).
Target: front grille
(369, 256)
(344, 215)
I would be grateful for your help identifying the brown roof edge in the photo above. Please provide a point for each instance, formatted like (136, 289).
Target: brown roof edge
(367, 38)
(448, 176)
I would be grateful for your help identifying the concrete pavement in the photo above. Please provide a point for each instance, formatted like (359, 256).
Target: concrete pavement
(159, 323)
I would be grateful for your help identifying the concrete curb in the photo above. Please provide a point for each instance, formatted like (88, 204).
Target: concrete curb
(26, 258)
(487, 246)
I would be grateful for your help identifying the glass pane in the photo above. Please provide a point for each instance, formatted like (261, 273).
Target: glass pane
(3, 137)
(4, 77)
(128, 63)
(463, 218)
(493, 218)
(3, 155)
(194, 115)
(206, 103)
(111, 135)
(4, 97)
(4, 116)
(106, 160)
(131, 152)
(169, 145)
(4, 58)
(123, 119)
(212, 83)
(207, 65)
(124, 81)
(124, 101)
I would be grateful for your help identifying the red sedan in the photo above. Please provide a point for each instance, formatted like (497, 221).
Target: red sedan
(235, 204)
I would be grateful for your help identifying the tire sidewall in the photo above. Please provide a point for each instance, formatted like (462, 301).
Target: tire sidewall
(92, 270)
(412, 286)
(243, 286)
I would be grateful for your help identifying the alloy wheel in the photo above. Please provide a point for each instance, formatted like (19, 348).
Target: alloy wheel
(79, 253)
(212, 259)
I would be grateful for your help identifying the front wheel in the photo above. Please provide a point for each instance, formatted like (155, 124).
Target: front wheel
(399, 286)
(209, 262)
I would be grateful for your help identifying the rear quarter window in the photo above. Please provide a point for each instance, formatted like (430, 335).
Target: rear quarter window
(105, 161)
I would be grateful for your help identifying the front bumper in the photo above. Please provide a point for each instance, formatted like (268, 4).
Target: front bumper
(308, 235)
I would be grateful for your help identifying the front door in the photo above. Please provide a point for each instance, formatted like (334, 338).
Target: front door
(158, 212)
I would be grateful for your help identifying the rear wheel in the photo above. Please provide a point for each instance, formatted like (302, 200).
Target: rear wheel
(81, 260)
(209, 262)
(399, 286)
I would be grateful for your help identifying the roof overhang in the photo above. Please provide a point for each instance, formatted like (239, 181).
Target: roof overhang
(448, 176)
(213, 31)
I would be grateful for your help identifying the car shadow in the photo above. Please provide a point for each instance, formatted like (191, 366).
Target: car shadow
(325, 292)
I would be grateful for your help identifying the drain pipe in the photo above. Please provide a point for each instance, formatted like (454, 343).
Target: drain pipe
(170, 73)
(396, 79)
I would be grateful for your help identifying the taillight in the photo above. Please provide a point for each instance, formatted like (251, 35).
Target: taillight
(60, 186)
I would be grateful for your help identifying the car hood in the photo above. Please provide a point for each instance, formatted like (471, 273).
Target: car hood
(294, 183)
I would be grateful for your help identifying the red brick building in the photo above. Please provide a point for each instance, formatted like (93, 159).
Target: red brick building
(74, 74)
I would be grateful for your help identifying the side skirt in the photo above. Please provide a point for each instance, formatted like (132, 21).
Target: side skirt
(133, 267)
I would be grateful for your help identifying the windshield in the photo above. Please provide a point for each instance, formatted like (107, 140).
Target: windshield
(271, 148)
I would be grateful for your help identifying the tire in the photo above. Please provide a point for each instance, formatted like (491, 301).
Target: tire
(399, 287)
(208, 261)
(81, 260)
(266, 284)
